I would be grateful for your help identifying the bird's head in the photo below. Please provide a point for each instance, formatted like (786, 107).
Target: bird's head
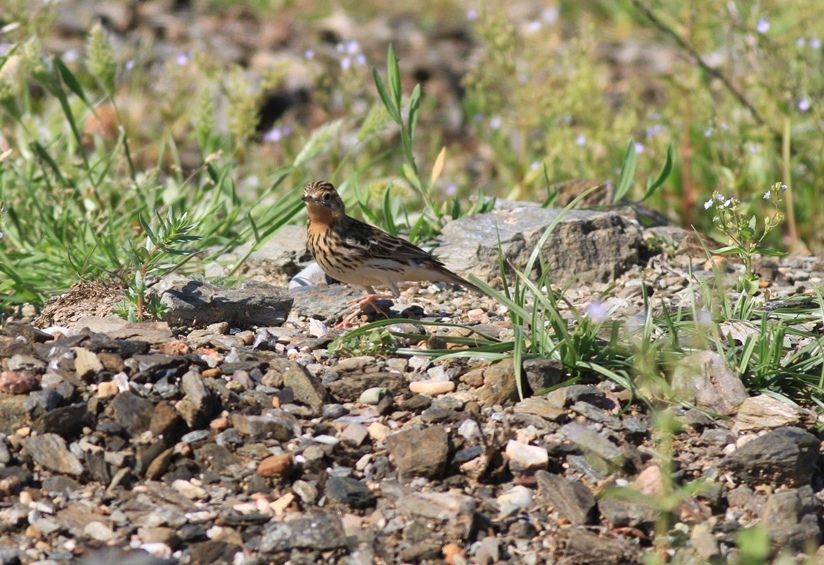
(322, 201)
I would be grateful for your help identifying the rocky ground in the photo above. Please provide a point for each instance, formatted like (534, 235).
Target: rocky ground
(229, 434)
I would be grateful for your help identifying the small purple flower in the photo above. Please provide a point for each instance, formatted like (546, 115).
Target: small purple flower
(129, 64)
(472, 14)
(708, 132)
(345, 63)
(723, 126)
(804, 104)
(273, 135)
(309, 54)
(352, 46)
(815, 43)
(708, 204)
(800, 42)
(495, 122)
(182, 59)
(360, 59)
(639, 148)
(450, 189)
(654, 130)
(4, 48)
(534, 166)
(763, 25)
(581, 140)
(70, 56)
(286, 130)
(752, 148)
(340, 47)
(550, 14)
(533, 27)
(596, 311)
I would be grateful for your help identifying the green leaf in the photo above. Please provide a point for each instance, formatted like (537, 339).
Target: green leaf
(71, 81)
(627, 172)
(663, 174)
(393, 74)
(414, 106)
(388, 103)
(389, 220)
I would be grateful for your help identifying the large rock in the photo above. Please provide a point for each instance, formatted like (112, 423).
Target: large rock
(420, 452)
(703, 378)
(792, 518)
(277, 259)
(191, 302)
(783, 456)
(586, 246)
(50, 451)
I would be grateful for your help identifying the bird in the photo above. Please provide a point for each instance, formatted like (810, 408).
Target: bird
(361, 255)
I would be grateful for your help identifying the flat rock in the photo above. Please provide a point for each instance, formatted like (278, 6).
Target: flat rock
(570, 498)
(525, 457)
(590, 441)
(625, 513)
(543, 373)
(782, 456)
(327, 303)
(192, 302)
(444, 506)
(275, 424)
(318, 531)
(118, 328)
(586, 246)
(764, 412)
(703, 378)
(419, 452)
(349, 388)
(583, 546)
(349, 491)
(50, 451)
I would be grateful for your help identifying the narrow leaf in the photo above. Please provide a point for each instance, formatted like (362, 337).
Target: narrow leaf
(627, 172)
(663, 174)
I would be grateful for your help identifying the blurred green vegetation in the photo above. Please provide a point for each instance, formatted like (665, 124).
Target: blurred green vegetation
(100, 135)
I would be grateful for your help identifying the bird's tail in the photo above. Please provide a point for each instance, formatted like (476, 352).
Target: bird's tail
(449, 276)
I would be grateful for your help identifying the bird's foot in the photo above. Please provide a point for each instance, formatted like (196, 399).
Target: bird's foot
(365, 305)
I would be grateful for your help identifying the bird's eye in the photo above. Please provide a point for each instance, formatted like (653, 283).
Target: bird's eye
(326, 196)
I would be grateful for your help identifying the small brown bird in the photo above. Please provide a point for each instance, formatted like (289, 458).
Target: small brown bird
(362, 255)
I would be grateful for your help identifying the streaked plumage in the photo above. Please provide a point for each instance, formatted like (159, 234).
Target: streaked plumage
(362, 255)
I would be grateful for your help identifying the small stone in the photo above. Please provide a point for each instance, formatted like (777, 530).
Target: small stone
(570, 498)
(18, 382)
(515, 499)
(498, 386)
(765, 412)
(373, 395)
(541, 407)
(273, 423)
(189, 490)
(524, 457)
(50, 451)
(431, 388)
(98, 531)
(315, 531)
(277, 466)
(306, 388)
(590, 441)
(419, 452)
(378, 432)
(354, 434)
(85, 362)
(350, 492)
(132, 412)
(107, 389)
(469, 430)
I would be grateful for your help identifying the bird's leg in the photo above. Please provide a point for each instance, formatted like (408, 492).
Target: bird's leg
(364, 304)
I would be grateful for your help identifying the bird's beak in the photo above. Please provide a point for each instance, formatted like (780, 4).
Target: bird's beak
(306, 198)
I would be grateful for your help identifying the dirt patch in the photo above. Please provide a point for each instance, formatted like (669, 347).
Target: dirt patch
(83, 299)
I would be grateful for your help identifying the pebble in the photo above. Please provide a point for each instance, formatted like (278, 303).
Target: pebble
(431, 388)
(373, 395)
(276, 466)
(524, 457)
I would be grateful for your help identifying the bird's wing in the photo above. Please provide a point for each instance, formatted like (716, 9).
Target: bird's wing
(378, 244)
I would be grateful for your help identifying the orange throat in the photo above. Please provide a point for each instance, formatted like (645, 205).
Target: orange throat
(321, 217)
